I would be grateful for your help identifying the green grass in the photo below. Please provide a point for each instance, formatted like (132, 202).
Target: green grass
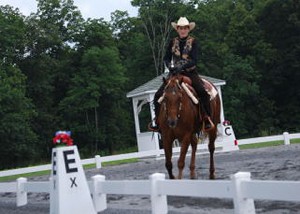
(295, 141)
(27, 175)
(118, 162)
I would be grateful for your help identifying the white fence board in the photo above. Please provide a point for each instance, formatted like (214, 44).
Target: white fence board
(25, 170)
(260, 139)
(196, 188)
(37, 187)
(88, 161)
(141, 187)
(8, 187)
(272, 190)
(131, 155)
(294, 136)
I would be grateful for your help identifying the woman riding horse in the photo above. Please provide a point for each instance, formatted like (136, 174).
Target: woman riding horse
(181, 58)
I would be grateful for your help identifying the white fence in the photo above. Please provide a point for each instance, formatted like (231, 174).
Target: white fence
(241, 189)
(286, 137)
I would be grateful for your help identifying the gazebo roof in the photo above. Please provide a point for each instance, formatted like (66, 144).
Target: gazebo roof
(153, 85)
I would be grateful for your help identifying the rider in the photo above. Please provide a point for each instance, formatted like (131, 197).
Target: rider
(181, 57)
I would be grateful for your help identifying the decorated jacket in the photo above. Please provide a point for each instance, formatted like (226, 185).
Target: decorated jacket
(182, 52)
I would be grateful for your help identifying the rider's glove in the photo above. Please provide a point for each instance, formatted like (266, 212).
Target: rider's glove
(176, 70)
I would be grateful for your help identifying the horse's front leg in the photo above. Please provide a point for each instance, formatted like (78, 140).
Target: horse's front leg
(168, 156)
(211, 148)
(181, 161)
(193, 158)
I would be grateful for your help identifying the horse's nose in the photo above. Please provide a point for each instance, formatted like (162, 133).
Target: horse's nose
(172, 123)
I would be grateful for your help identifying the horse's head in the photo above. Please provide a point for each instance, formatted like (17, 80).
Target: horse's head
(172, 101)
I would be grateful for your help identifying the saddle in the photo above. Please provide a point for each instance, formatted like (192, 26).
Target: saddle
(209, 88)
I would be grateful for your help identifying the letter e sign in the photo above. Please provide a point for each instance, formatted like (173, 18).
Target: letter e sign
(69, 161)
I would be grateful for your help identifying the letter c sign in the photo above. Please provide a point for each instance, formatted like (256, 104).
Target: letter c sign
(227, 131)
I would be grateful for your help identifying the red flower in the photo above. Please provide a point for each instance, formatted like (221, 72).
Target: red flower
(63, 137)
(226, 122)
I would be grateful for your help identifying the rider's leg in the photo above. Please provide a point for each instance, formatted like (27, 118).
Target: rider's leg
(157, 95)
(198, 85)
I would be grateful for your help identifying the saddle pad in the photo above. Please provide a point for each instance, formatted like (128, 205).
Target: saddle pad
(210, 88)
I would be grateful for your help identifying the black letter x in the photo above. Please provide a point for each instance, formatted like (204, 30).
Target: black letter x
(73, 182)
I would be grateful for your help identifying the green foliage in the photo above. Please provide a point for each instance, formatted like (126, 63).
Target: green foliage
(16, 112)
(12, 28)
(280, 21)
(94, 99)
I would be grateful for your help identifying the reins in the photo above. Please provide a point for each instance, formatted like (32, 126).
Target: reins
(174, 92)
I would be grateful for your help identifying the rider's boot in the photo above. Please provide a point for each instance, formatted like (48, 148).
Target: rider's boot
(207, 122)
(153, 127)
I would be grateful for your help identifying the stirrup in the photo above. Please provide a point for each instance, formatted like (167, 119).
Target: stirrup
(212, 125)
(153, 128)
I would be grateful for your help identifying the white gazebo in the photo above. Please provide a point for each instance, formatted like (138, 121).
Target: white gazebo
(144, 94)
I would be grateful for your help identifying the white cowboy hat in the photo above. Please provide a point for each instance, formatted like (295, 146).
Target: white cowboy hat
(182, 21)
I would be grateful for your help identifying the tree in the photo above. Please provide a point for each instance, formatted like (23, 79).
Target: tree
(50, 35)
(135, 52)
(12, 40)
(96, 89)
(280, 22)
(156, 17)
(16, 109)
(16, 113)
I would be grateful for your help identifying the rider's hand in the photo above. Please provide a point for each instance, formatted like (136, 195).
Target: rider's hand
(178, 69)
(172, 69)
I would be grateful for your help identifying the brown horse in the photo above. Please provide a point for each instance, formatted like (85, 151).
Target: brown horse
(179, 118)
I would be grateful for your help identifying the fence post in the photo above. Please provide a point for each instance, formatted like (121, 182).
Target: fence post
(158, 202)
(98, 162)
(21, 194)
(242, 205)
(99, 199)
(286, 138)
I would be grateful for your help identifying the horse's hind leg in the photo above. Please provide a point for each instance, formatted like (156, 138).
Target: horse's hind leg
(211, 148)
(193, 158)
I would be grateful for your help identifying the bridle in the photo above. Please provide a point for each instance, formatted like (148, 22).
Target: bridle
(174, 92)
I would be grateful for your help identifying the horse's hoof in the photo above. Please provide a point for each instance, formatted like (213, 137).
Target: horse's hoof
(172, 177)
(193, 176)
(212, 177)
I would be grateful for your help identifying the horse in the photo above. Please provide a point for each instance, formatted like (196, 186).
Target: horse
(180, 118)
